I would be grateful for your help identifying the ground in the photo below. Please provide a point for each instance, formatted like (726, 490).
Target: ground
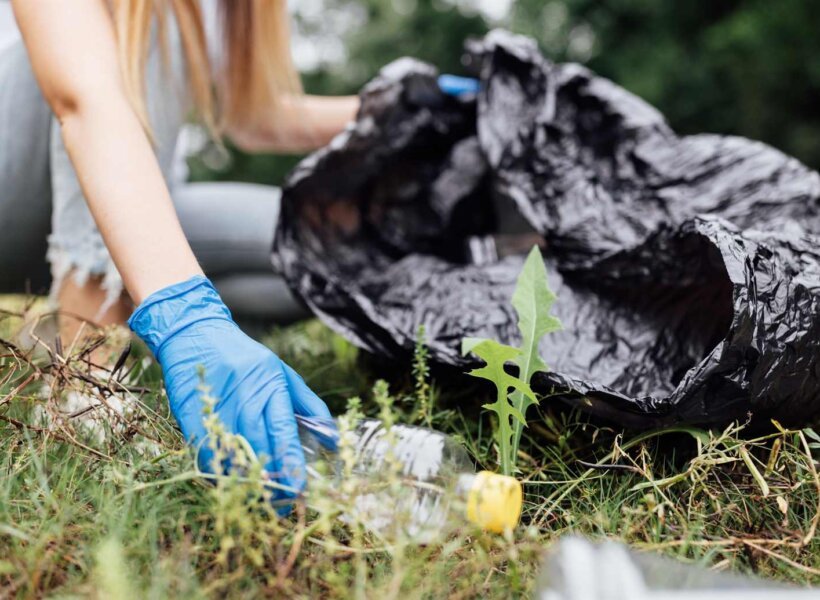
(126, 515)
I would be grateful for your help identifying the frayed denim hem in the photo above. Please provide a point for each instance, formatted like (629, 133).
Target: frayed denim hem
(81, 263)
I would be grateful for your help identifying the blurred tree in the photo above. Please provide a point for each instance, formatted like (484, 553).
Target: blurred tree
(746, 67)
(430, 30)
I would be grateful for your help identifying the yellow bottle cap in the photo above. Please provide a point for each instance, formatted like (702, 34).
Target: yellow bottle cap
(494, 502)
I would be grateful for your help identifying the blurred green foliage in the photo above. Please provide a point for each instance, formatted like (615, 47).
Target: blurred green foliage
(429, 30)
(745, 67)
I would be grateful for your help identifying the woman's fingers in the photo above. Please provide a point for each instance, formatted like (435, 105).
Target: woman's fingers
(288, 459)
(305, 401)
(307, 404)
(251, 425)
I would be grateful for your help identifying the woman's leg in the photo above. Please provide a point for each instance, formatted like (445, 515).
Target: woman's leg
(89, 302)
(230, 227)
(25, 187)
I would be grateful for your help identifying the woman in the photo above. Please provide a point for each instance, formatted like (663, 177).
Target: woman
(110, 73)
(229, 226)
(118, 75)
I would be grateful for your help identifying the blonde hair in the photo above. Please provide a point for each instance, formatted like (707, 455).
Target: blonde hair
(257, 72)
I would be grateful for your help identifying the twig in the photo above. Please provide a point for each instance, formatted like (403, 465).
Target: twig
(780, 557)
(22, 426)
(729, 541)
(60, 436)
(816, 518)
(610, 467)
(19, 388)
(285, 569)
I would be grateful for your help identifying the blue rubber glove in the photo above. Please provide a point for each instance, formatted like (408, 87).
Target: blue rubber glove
(186, 326)
(453, 85)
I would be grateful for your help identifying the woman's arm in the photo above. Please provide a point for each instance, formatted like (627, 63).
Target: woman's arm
(309, 122)
(73, 52)
(181, 316)
(298, 125)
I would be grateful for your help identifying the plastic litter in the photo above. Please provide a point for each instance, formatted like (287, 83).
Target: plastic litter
(439, 489)
(687, 268)
(577, 569)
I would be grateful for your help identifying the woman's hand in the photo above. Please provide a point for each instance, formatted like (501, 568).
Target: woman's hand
(190, 331)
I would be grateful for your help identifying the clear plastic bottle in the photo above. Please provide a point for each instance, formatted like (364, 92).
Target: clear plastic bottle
(577, 569)
(415, 483)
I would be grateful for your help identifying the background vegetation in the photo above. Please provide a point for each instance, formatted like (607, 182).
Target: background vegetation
(741, 67)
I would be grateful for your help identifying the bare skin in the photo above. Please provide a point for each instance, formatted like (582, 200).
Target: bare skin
(72, 48)
(80, 305)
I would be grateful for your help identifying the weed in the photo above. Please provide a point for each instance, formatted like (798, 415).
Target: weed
(424, 394)
(532, 301)
(496, 356)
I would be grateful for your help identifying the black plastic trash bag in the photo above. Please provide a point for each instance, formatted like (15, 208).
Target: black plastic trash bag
(686, 268)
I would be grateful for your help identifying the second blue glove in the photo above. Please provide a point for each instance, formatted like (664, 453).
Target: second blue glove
(454, 85)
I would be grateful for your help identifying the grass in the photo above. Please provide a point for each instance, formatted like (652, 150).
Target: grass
(128, 517)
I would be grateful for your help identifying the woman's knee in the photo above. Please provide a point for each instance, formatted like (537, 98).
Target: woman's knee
(230, 226)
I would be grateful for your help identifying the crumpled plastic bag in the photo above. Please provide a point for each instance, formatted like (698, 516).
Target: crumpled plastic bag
(687, 269)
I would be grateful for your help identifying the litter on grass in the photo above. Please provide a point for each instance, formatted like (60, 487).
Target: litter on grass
(578, 569)
(687, 269)
(438, 492)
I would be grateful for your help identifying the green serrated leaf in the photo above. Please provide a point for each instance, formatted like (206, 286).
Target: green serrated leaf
(497, 410)
(496, 356)
(468, 343)
(532, 300)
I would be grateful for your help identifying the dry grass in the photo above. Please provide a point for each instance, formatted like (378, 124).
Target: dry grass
(125, 514)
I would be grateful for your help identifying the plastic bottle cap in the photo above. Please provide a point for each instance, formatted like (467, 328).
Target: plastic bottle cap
(494, 502)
